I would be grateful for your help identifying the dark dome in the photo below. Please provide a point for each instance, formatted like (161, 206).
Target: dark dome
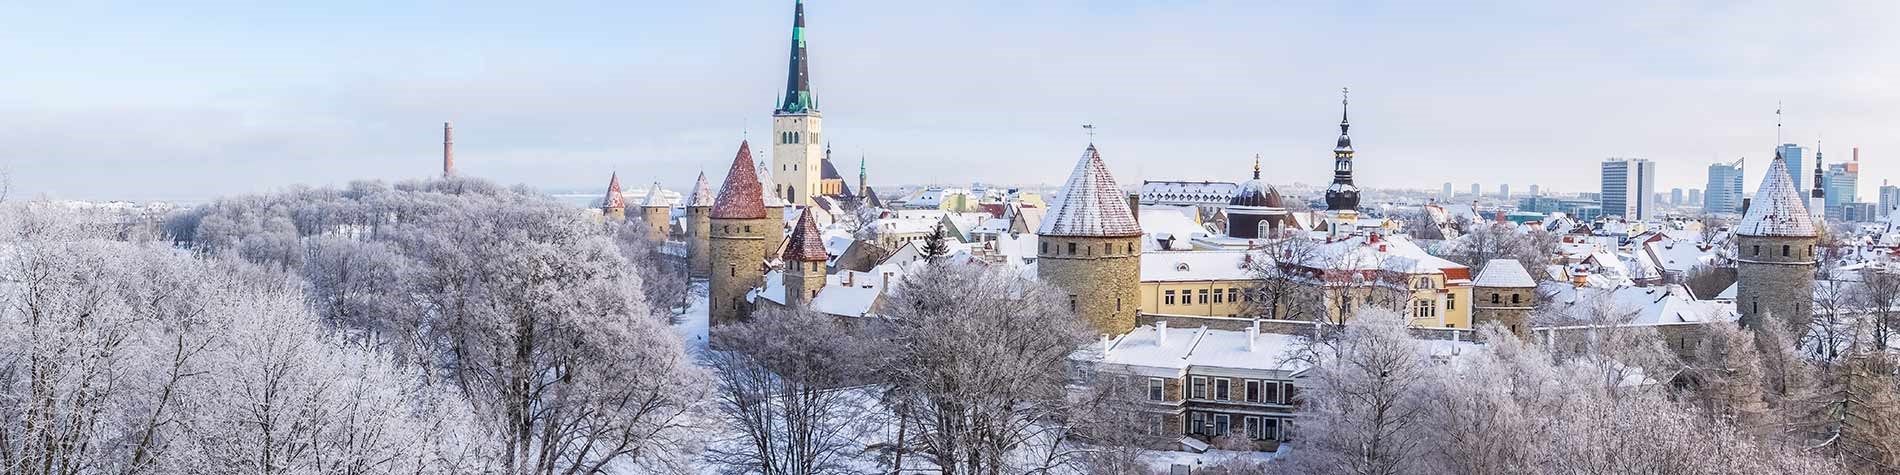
(1257, 194)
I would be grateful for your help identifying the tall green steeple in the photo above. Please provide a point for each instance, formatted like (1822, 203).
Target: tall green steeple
(798, 97)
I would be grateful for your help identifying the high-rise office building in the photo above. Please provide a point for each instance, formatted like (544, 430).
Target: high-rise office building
(1792, 154)
(1629, 188)
(1675, 197)
(1504, 191)
(1695, 198)
(1724, 190)
(1444, 196)
(1476, 191)
(1534, 190)
(1889, 198)
(1842, 183)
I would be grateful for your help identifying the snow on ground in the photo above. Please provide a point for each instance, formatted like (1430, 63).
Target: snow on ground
(694, 324)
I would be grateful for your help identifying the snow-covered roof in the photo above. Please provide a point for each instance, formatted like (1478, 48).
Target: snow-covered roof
(1177, 349)
(1162, 222)
(806, 244)
(1649, 305)
(1777, 209)
(1198, 192)
(655, 197)
(1505, 273)
(1678, 255)
(741, 197)
(1187, 266)
(613, 199)
(1090, 204)
(702, 192)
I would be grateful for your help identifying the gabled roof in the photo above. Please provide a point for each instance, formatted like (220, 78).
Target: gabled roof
(653, 199)
(741, 197)
(1777, 209)
(702, 193)
(871, 199)
(1505, 273)
(613, 200)
(1091, 205)
(826, 171)
(806, 244)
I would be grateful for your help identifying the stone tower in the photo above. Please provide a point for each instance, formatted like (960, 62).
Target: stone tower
(1504, 293)
(657, 214)
(1775, 253)
(1090, 247)
(797, 126)
(613, 206)
(1342, 197)
(804, 262)
(699, 229)
(737, 241)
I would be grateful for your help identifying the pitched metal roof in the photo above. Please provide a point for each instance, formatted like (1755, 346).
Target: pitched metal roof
(1090, 205)
(741, 196)
(1777, 209)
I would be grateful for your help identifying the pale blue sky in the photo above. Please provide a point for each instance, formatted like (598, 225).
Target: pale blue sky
(107, 100)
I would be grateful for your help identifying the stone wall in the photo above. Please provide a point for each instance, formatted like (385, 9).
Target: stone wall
(1512, 307)
(658, 219)
(698, 241)
(1102, 275)
(738, 248)
(1769, 283)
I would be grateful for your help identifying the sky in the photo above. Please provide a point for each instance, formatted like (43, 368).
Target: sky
(192, 100)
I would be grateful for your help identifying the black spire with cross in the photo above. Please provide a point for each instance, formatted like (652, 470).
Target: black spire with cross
(1342, 194)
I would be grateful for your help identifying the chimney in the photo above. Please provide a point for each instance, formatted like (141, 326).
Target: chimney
(448, 150)
(1253, 333)
(847, 278)
(1856, 154)
(1134, 206)
(1106, 344)
(1161, 332)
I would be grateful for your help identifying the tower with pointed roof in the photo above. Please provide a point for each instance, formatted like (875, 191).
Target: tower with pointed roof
(613, 206)
(1090, 247)
(1342, 196)
(797, 150)
(699, 229)
(737, 240)
(657, 214)
(1775, 253)
(1817, 198)
(803, 268)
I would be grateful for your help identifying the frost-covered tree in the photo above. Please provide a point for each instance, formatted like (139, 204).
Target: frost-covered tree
(788, 383)
(1364, 409)
(979, 361)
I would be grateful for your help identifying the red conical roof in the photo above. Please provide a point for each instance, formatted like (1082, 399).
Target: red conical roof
(740, 197)
(613, 199)
(806, 244)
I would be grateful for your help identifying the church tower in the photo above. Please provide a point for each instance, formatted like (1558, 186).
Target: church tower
(804, 262)
(657, 214)
(613, 206)
(1817, 199)
(698, 229)
(737, 240)
(1775, 253)
(1342, 197)
(1090, 247)
(798, 130)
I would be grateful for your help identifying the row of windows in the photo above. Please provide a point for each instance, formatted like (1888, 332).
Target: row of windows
(1785, 250)
(1225, 295)
(1497, 299)
(727, 228)
(1108, 248)
(791, 137)
(1221, 389)
(1256, 427)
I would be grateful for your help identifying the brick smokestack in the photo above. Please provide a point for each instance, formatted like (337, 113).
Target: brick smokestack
(448, 150)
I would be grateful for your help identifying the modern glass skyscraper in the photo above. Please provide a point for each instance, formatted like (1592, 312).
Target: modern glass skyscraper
(1724, 190)
(1629, 188)
(1889, 198)
(1792, 153)
(1842, 184)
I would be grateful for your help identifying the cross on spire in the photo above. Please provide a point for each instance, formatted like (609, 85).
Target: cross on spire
(1091, 131)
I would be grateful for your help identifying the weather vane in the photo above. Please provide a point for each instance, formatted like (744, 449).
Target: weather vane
(1091, 129)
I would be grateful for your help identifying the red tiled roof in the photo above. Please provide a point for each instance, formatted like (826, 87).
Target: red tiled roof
(740, 197)
(613, 199)
(806, 244)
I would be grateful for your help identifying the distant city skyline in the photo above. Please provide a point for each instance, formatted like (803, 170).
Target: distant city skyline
(144, 102)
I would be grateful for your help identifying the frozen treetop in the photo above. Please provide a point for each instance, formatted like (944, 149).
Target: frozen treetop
(741, 197)
(1777, 209)
(1091, 205)
(613, 200)
(653, 199)
(702, 193)
(807, 244)
(1506, 273)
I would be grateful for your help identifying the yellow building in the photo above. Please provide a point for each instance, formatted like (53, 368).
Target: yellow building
(1354, 272)
(1204, 283)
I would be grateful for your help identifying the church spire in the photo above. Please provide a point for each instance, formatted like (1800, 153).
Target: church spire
(1256, 166)
(798, 97)
(1342, 195)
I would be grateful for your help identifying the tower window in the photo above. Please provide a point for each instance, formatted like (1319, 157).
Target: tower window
(1495, 298)
(1071, 303)
(732, 271)
(1071, 249)
(1757, 250)
(1784, 250)
(1514, 298)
